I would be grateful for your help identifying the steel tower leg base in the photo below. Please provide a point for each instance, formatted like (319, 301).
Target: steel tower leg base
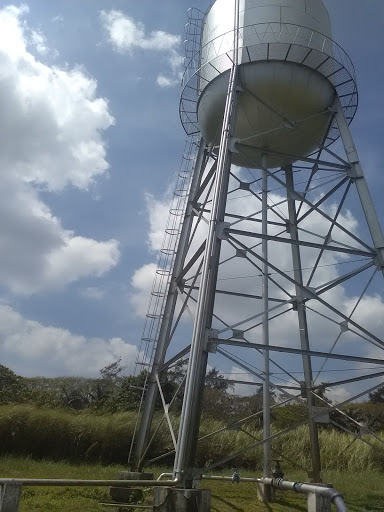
(169, 499)
(265, 493)
(317, 503)
(128, 494)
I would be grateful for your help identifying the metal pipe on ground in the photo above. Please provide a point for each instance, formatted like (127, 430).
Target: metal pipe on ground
(87, 483)
(214, 477)
(299, 487)
(335, 496)
(304, 488)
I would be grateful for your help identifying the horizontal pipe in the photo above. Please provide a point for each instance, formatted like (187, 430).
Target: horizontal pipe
(214, 477)
(230, 479)
(88, 483)
(303, 488)
(163, 475)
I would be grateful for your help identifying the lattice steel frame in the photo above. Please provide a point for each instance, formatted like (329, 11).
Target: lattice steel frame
(196, 272)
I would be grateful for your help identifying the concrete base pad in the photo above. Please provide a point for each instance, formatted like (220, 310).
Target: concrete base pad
(318, 503)
(168, 499)
(10, 495)
(265, 493)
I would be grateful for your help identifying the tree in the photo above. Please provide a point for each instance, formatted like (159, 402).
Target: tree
(214, 380)
(112, 371)
(12, 387)
(128, 395)
(377, 397)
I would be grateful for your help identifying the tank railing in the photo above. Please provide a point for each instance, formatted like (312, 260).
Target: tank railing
(338, 68)
(194, 66)
(332, 494)
(296, 36)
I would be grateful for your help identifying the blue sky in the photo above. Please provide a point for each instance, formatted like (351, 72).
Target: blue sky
(91, 139)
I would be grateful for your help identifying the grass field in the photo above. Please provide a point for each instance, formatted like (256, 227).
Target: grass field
(91, 438)
(363, 491)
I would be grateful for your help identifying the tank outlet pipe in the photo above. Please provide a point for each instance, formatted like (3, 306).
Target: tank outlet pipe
(335, 496)
(31, 482)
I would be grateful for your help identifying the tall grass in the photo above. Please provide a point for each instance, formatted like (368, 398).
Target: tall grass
(87, 437)
(65, 435)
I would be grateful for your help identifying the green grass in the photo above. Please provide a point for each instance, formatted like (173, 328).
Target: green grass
(60, 499)
(363, 491)
(29, 436)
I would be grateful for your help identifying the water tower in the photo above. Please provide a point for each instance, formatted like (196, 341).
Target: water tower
(262, 249)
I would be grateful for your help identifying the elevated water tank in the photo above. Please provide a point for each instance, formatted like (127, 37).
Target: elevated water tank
(290, 71)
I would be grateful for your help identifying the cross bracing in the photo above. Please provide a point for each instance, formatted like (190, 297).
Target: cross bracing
(277, 272)
(337, 258)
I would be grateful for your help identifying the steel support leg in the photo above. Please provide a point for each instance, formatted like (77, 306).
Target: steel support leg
(265, 329)
(357, 174)
(303, 326)
(191, 411)
(169, 309)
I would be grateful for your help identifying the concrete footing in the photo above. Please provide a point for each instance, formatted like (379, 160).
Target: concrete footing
(317, 503)
(10, 495)
(265, 493)
(169, 499)
(128, 494)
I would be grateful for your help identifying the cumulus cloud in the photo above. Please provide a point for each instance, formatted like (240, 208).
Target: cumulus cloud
(92, 292)
(237, 373)
(51, 128)
(338, 395)
(158, 212)
(142, 282)
(125, 35)
(39, 41)
(31, 348)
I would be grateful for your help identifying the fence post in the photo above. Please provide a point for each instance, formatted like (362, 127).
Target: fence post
(10, 495)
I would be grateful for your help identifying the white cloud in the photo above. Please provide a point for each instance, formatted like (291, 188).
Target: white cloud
(59, 18)
(92, 292)
(338, 395)
(164, 81)
(174, 77)
(125, 35)
(142, 282)
(39, 41)
(143, 278)
(51, 130)
(158, 213)
(81, 256)
(240, 374)
(51, 351)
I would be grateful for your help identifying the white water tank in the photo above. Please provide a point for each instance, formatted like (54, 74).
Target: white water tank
(288, 77)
